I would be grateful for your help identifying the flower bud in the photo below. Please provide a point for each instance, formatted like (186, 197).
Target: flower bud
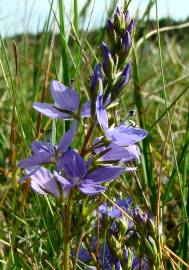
(121, 82)
(122, 226)
(94, 86)
(128, 258)
(151, 227)
(108, 63)
(151, 249)
(97, 74)
(127, 16)
(131, 26)
(126, 41)
(119, 20)
(115, 246)
(111, 31)
(140, 221)
(133, 239)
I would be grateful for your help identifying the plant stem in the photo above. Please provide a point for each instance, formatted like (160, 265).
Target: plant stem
(77, 250)
(88, 138)
(67, 231)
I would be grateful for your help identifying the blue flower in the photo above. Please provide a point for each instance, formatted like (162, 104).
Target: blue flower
(74, 172)
(77, 174)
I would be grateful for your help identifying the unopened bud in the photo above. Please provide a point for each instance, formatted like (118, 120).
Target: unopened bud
(140, 221)
(97, 74)
(111, 31)
(131, 26)
(122, 226)
(126, 41)
(128, 259)
(151, 249)
(108, 62)
(151, 227)
(94, 86)
(127, 16)
(121, 82)
(115, 246)
(119, 20)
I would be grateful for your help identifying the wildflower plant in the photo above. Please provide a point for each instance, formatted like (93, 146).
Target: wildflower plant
(78, 177)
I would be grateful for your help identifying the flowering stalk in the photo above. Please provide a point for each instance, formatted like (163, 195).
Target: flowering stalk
(67, 233)
(78, 174)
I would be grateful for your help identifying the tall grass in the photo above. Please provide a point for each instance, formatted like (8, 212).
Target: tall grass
(31, 234)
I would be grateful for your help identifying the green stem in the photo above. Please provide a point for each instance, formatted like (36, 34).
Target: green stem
(67, 232)
(88, 137)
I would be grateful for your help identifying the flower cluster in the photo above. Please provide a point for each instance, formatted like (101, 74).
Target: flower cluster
(71, 169)
(85, 168)
(104, 154)
(127, 244)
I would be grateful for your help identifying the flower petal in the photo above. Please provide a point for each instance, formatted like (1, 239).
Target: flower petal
(126, 135)
(100, 109)
(38, 146)
(134, 150)
(64, 97)
(86, 110)
(91, 189)
(104, 174)
(29, 172)
(73, 164)
(62, 180)
(66, 140)
(36, 159)
(49, 110)
(117, 153)
(42, 180)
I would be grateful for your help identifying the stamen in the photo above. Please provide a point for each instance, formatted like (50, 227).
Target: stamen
(130, 114)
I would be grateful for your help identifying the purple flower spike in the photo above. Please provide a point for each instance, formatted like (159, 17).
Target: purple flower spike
(127, 40)
(66, 100)
(77, 174)
(131, 26)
